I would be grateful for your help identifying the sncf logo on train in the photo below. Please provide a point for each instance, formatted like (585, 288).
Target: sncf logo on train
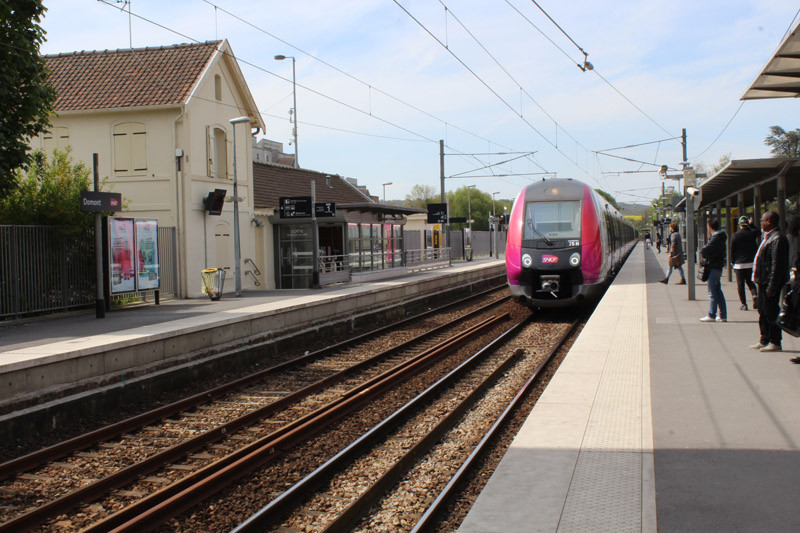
(549, 259)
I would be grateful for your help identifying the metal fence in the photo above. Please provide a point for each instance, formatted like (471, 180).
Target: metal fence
(45, 268)
(51, 268)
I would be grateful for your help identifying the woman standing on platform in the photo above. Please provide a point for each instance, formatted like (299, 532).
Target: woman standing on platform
(675, 260)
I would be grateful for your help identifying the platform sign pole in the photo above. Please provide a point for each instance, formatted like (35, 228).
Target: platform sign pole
(690, 180)
(100, 304)
(314, 238)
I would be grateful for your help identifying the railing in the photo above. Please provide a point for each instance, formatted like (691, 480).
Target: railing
(51, 268)
(254, 271)
(427, 258)
(45, 268)
(334, 269)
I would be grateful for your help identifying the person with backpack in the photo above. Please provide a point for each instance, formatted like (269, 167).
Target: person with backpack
(744, 244)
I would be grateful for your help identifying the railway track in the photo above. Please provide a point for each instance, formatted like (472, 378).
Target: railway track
(190, 435)
(384, 480)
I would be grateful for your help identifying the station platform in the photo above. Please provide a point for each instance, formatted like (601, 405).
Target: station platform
(656, 421)
(60, 356)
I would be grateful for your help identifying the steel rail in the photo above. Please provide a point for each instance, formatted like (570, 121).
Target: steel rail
(266, 516)
(432, 513)
(152, 463)
(187, 492)
(81, 442)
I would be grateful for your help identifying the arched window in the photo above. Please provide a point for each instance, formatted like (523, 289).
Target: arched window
(218, 87)
(217, 148)
(130, 149)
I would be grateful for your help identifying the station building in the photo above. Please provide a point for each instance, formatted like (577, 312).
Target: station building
(159, 120)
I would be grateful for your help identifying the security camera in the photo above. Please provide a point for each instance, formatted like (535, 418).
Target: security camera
(694, 191)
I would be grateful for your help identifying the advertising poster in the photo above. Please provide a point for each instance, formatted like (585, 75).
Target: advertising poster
(146, 253)
(121, 255)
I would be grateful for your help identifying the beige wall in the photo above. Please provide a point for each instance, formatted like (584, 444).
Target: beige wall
(176, 198)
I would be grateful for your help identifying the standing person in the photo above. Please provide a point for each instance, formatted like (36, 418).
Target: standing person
(658, 241)
(743, 250)
(770, 272)
(714, 252)
(675, 250)
(647, 240)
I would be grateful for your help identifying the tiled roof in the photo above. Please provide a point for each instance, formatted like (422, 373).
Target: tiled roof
(271, 181)
(125, 78)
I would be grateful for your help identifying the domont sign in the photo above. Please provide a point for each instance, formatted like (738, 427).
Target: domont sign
(101, 201)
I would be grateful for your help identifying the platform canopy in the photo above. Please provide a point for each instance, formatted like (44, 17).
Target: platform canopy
(780, 78)
(742, 175)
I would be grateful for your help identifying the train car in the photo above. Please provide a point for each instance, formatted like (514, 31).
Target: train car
(565, 242)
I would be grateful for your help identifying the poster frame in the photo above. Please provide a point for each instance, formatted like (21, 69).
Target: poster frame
(146, 225)
(114, 226)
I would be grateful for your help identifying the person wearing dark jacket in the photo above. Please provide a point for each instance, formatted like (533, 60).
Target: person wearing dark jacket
(744, 244)
(714, 253)
(770, 272)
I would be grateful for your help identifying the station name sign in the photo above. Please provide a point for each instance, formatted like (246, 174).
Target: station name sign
(101, 201)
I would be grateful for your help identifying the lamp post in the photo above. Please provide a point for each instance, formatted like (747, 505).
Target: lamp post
(294, 99)
(384, 191)
(237, 271)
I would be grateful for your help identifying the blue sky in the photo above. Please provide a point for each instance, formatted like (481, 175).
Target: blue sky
(684, 63)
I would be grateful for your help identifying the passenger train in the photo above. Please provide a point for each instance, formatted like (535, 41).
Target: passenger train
(565, 242)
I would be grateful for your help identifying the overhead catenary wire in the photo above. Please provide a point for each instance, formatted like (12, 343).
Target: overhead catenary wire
(593, 69)
(488, 87)
(354, 78)
(721, 132)
(313, 91)
(511, 77)
(369, 86)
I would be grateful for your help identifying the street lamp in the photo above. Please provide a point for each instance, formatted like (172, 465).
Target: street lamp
(294, 99)
(384, 191)
(237, 271)
(469, 207)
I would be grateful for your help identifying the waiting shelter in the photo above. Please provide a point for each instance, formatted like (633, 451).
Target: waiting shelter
(357, 238)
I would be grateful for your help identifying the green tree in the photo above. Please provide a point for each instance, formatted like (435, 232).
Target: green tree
(26, 99)
(610, 199)
(474, 202)
(48, 192)
(420, 196)
(783, 143)
(702, 168)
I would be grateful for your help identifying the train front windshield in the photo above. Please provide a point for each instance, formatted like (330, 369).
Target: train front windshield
(553, 220)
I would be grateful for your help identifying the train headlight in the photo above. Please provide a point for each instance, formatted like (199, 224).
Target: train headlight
(527, 260)
(575, 259)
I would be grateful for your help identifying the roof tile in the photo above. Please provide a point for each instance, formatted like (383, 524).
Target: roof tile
(125, 78)
(271, 181)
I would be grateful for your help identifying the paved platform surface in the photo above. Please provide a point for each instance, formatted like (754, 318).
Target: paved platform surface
(27, 333)
(55, 357)
(656, 421)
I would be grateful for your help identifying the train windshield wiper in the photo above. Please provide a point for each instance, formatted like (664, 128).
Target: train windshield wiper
(545, 239)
